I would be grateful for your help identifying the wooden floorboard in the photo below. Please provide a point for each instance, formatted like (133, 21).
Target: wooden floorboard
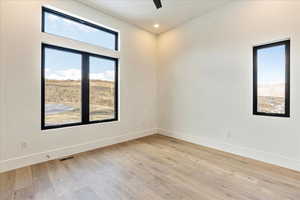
(152, 168)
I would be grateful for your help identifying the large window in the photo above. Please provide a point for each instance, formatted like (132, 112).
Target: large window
(272, 79)
(70, 27)
(77, 87)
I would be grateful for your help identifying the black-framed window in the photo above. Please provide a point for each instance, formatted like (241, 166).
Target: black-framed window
(63, 25)
(77, 87)
(271, 79)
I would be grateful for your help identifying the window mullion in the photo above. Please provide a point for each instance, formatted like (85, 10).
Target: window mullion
(85, 88)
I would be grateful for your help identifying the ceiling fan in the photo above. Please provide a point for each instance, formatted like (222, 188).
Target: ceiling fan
(157, 4)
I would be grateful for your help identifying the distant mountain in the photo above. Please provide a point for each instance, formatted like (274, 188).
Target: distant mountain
(272, 90)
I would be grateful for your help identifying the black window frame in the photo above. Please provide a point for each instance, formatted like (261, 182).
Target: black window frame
(286, 43)
(85, 87)
(54, 12)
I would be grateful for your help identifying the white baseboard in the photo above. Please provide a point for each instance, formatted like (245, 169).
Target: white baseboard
(28, 160)
(267, 157)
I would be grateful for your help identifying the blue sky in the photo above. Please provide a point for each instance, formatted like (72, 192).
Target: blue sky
(102, 69)
(67, 28)
(271, 65)
(62, 65)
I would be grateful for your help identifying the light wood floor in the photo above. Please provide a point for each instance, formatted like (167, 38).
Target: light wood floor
(152, 168)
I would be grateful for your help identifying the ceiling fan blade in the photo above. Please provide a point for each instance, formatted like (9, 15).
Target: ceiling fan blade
(157, 3)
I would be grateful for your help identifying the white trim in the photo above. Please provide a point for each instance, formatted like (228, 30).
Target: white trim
(267, 157)
(271, 42)
(60, 41)
(35, 158)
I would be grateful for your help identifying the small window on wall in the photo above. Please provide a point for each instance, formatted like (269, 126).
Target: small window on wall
(77, 87)
(271, 81)
(63, 25)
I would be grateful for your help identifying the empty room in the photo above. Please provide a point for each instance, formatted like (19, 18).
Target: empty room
(149, 99)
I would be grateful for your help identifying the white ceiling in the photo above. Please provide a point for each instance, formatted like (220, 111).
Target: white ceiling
(144, 14)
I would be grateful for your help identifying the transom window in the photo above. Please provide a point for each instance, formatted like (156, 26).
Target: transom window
(70, 27)
(78, 87)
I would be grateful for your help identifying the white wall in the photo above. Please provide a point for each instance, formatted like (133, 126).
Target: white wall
(205, 81)
(1, 86)
(22, 85)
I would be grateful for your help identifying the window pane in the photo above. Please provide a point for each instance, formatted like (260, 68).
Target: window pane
(102, 88)
(271, 80)
(65, 27)
(62, 87)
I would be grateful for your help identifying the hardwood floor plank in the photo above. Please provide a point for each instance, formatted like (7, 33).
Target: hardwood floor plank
(7, 185)
(85, 194)
(23, 178)
(43, 188)
(155, 167)
(61, 179)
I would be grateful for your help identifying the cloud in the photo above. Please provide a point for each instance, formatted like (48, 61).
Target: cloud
(70, 23)
(106, 76)
(82, 27)
(69, 74)
(53, 18)
(75, 74)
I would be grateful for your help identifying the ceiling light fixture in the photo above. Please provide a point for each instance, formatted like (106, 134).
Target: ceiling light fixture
(156, 25)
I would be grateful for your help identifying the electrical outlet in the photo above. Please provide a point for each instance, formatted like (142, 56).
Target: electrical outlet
(23, 145)
(228, 135)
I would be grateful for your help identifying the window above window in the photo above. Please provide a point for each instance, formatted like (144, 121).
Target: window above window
(70, 27)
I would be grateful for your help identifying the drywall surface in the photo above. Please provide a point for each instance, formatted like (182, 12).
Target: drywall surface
(21, 93)
(205, 81)
(1, 86)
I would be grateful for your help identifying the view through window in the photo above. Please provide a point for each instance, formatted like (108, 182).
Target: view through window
(75, 91)
(78, 87)
(66, 26)
(272, 79)
(102, 88)
(62, 87)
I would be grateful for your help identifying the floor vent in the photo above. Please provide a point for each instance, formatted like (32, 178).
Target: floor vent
(66, 158)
